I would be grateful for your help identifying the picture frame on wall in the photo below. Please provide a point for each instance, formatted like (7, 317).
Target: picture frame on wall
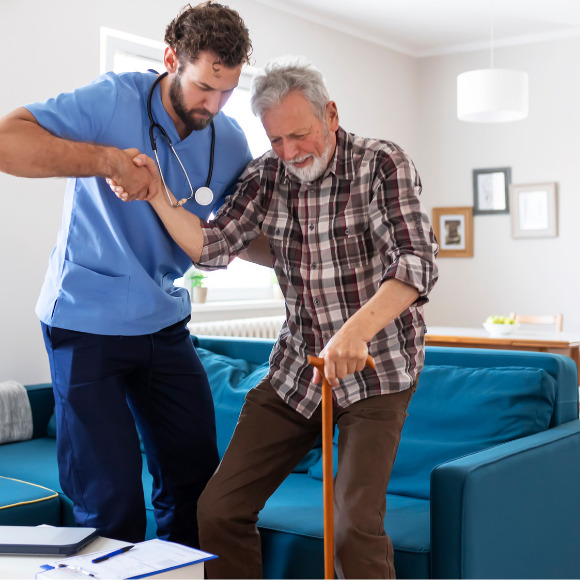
(453, 227)
(491, 190)
(534, 210)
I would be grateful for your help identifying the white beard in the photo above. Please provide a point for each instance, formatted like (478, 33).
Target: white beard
(315, 169)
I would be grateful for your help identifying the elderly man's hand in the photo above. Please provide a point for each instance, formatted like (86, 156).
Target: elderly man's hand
(129, 180)
(345, 353)
(148, 184)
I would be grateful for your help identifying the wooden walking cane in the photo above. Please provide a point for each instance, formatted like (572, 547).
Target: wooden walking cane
(327, 470)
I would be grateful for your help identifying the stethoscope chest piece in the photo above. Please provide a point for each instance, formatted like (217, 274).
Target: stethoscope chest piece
(204, 196)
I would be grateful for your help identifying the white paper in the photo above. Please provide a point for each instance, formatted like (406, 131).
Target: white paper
(148, 558)
(61, 574)
(533, 210)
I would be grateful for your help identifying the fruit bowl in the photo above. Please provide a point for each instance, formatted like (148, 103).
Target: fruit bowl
(499, 329)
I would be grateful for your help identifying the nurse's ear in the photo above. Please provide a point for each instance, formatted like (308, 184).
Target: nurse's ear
(170, 60)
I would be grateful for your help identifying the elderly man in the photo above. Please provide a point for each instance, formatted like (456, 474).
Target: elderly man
(355, 257)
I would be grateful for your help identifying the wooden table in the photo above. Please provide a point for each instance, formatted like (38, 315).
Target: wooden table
(567, 343)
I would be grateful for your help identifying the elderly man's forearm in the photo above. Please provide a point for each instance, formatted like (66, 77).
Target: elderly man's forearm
(183, 226)
(392, 298)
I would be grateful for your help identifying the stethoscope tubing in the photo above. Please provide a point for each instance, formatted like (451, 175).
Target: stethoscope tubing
(154, 125)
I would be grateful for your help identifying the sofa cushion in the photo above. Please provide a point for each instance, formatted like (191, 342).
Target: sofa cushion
(27, 504)
(33, 460)
(292, 521)
(487, 406)
(230, 379)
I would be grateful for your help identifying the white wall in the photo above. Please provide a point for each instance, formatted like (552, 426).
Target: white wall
(530, 276)
(50, 47)
(379, 93)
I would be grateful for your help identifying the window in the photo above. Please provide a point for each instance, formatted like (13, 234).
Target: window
(123, 52)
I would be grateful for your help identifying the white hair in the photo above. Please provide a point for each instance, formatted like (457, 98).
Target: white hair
(284, 75)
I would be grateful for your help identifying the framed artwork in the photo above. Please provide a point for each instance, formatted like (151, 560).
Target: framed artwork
(534, 210)
(491, 190)
(453, 227)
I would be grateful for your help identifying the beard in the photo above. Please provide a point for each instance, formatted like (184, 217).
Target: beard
(187, 115)
(316, 168)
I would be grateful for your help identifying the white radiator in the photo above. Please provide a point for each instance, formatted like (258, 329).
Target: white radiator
(260, 327)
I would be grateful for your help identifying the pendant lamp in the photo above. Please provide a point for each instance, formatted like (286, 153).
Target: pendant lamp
(492, 95)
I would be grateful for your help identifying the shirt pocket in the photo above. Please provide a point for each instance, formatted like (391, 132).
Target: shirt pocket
(285, 240)
(352, 237)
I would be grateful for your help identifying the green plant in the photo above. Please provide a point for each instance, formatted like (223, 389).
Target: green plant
(195, 278)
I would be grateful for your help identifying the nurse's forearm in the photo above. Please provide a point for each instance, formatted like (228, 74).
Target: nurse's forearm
(29, 150)
(183, 226)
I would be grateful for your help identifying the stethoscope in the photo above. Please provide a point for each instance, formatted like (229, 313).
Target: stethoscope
(203, 195)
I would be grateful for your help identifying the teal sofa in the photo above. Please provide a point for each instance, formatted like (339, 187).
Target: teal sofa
(485, 484)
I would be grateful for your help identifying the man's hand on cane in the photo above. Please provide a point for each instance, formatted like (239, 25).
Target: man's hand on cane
(345, 353)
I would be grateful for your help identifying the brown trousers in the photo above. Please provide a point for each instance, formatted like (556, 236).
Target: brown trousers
(269, 441)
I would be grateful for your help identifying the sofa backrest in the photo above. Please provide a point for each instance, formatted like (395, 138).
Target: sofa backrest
(467, 400)
(254, 350)
(472, 399)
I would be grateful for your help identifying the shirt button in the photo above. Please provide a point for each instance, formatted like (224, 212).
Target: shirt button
(313, 266)
(347, 231)
(325, 335)
(311, 227)
(316, 301)
(277, 232)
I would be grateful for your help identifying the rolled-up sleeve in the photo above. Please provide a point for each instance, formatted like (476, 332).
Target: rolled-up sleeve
(400, 226)
(236, 223)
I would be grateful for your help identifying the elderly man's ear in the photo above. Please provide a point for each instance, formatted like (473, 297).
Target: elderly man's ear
(332, 116)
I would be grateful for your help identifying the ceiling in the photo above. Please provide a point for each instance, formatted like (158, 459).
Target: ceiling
(423, 28)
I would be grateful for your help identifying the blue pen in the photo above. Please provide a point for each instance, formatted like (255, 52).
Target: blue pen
(111, 554)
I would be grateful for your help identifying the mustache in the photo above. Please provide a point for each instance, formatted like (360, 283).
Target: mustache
(192, 112)
(300, 159)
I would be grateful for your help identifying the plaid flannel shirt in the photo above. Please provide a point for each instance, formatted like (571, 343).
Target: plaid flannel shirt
(333, 242)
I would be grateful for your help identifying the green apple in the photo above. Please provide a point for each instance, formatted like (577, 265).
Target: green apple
(495, 319)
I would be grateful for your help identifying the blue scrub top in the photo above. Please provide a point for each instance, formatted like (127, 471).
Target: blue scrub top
(113, 266)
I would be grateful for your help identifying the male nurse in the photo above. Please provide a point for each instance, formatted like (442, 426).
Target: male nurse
(114, 325)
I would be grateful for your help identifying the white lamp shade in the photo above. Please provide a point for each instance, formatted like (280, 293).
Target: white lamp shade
(492, 95)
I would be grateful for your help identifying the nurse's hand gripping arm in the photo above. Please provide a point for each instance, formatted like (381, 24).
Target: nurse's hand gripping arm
(29, 150)
(183, 226)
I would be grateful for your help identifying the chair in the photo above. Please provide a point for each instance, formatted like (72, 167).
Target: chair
(555, 320)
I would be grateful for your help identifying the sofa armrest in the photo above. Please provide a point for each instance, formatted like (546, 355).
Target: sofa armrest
(511, 511)
(41, 400)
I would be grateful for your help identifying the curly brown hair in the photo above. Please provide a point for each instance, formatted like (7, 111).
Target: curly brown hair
(213, 27)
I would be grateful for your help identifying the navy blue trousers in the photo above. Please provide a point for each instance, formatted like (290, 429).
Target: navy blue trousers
(105, 387)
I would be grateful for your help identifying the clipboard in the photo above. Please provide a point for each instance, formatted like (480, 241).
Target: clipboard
(44, 540)
(144, 559)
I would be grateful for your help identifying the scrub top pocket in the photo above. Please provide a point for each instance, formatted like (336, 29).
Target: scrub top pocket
(98, 296)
